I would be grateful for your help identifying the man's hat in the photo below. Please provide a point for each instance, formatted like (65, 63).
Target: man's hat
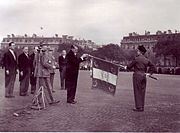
(142, 49)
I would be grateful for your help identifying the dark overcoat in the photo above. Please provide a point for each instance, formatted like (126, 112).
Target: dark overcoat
(72, 70)
(62, 62)
(24, 65)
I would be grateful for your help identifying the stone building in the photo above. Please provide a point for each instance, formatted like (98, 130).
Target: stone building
(149, 41)
(54, 42)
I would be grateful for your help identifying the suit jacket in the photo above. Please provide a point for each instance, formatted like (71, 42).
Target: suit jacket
(42, 67)
(24, 65)
(72, 66)
(10, 63)
(62, 62)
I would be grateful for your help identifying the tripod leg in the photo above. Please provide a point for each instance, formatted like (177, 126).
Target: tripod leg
(43, 96)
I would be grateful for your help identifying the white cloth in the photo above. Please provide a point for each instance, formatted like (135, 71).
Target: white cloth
(12, 52)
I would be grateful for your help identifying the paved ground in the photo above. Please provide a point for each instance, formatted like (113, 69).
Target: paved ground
(96, 111)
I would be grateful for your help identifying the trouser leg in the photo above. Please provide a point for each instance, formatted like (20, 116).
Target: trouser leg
(71, 90)
(74, 89)
(52, 80)
(48, 89)
(139, 85)
(33, 83)
(27, 83)
(62, 79)
(13, 79)
(143, 91)
(7, 85)
(70, 94)
(24, 85)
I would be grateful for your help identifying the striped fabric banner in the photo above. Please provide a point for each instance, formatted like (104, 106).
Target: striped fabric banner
(104, 75)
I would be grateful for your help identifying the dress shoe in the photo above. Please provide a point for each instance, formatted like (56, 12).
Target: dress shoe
(138, 109)
(54, 102)
(72, 102)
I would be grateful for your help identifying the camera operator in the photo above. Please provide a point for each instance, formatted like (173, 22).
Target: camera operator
(43, 64)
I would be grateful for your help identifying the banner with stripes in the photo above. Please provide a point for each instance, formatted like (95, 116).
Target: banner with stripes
(104, 75)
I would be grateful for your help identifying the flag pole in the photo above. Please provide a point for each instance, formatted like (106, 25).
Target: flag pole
(106, 61)
(122, 66)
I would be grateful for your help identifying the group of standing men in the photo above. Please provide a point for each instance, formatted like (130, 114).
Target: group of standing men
(41, 65)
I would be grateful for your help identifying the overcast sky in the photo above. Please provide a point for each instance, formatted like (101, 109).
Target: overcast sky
(103, 21)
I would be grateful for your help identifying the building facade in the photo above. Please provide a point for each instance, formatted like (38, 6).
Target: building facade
(54, 42)
(149, 41)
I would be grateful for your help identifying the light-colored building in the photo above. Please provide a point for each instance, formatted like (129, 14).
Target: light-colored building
(149, 41)
(54, 42)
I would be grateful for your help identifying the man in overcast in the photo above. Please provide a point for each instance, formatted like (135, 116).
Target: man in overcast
(24, 71)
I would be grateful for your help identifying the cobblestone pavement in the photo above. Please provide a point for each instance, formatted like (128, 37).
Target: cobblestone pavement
(97, 111)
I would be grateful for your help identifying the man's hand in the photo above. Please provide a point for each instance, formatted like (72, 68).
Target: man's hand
(84, 56)
(7, 72)
(21, 73)
(148, 74)
(124, 67)
(54, 67)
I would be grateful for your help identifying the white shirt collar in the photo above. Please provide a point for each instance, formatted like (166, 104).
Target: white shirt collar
(12, 52)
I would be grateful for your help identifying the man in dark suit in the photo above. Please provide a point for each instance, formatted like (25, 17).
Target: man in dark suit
(72, 71)
(24, 71)
(32, 67)
(140, 64)
(62, 68)
(10, 64)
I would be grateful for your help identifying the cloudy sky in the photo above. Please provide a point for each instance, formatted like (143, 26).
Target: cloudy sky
(103, 21)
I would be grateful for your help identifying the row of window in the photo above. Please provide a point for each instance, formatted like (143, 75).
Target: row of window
(139, 39)
(136, 46)
(151, 38)
(31, 40)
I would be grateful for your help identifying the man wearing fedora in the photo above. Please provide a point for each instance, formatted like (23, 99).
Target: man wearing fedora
(140, 65)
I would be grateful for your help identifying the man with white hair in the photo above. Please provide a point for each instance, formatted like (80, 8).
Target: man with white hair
(24, 71)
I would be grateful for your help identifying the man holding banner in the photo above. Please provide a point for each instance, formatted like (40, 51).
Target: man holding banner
(140, 64)
(72, 70)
